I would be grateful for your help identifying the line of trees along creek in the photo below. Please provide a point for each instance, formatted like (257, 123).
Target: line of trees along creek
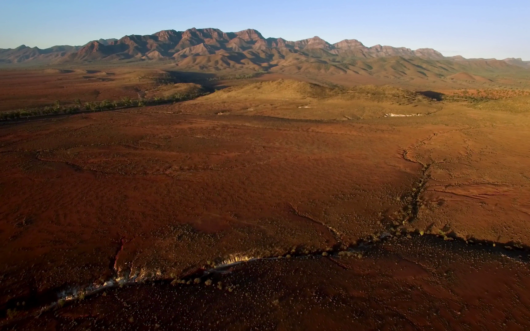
(78, 107)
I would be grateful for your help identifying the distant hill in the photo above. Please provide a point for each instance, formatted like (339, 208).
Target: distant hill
(518, 62)
(214, 50)
(178, 45)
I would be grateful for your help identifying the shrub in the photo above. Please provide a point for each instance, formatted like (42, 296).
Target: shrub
(105, 104)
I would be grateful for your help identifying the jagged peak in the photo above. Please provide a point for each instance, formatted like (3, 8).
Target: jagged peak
(131, 37)
(349, 43)
(94, 43)
(168, 35)
(92, 46)
(170, 32)
(107, 41)
(428, 52)
(170, 41)
(250, 34)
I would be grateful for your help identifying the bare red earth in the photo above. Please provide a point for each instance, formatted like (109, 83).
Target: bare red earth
(164, 191)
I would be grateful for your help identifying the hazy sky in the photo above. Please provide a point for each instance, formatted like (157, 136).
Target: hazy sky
(471, 28)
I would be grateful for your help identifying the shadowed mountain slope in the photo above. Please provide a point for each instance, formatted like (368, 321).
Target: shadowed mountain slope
(214, 50)
(176, 44)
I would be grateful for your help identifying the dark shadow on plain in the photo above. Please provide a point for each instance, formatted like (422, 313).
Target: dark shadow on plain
(209, 81)
(190, 77)
(432, 95)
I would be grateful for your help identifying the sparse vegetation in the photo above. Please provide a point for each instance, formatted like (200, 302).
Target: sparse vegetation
(11, 313)
(385, 94)
(481, 95)
(237, 76)
(57, 108)
(510, 100)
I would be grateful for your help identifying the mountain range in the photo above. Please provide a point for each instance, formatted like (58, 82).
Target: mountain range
(213, 49)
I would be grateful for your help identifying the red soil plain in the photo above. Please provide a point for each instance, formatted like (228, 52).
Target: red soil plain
(269, 204)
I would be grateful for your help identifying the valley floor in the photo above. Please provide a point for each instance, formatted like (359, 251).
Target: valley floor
(409, 222)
